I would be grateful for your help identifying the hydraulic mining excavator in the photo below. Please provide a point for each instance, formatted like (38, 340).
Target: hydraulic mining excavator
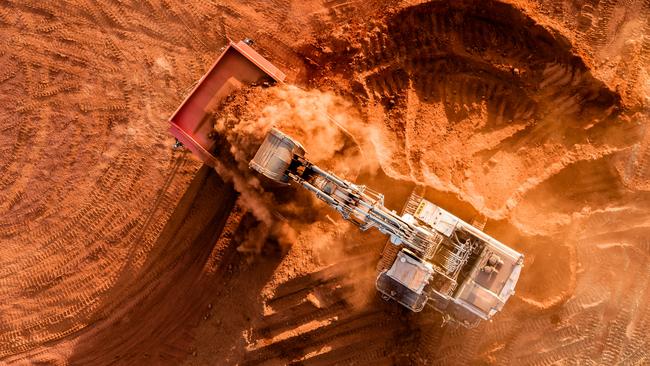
(432, 257)
(440, 260)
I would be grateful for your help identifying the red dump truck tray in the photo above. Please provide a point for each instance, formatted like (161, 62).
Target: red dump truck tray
(237, 66)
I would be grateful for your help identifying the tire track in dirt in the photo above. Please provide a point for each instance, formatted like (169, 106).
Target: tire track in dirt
(84, 226)
(464, 73)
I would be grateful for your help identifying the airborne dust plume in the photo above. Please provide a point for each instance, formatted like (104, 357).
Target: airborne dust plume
(312, 117)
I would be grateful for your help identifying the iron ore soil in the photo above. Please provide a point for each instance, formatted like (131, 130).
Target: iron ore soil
(117, 249)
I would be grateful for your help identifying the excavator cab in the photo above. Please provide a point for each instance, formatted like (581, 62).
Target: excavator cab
(406, 281)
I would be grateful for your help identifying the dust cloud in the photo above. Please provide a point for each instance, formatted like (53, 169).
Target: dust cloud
(318, 120)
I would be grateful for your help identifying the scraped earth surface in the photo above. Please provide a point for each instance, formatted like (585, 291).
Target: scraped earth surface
(117, 249)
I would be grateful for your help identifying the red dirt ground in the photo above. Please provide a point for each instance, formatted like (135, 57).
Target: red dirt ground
(117, 249)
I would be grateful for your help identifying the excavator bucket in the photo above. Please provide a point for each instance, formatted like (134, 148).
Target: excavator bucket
(237, 66)
(275, 155)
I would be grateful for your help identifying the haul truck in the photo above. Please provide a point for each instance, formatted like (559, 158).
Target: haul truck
(432, 259)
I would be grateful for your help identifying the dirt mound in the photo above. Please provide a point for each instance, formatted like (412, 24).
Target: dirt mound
(312, 117)
(480, 100)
